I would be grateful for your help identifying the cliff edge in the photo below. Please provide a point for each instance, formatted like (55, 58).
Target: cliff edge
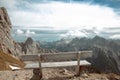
(7, 44)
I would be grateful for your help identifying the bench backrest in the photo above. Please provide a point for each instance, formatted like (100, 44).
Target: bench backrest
(57, 56)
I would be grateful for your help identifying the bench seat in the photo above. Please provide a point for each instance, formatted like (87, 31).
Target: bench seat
(32, 65)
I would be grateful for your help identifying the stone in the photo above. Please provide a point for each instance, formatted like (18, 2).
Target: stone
(7, 44)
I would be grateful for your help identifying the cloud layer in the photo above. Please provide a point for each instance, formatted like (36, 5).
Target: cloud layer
(76, 18)
(26, 33)
(61, 15)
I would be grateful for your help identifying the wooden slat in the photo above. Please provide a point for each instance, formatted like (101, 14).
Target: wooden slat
(40, 67)
(29, 57)
(78, 63)
(86, 54)
(56, 64)
(56, 56)
(59, 56)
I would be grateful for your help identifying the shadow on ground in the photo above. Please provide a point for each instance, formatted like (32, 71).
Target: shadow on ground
(34, 77)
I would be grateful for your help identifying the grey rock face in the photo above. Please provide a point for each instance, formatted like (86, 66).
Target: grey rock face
(32, 47)
(105, 60)
(7, 44)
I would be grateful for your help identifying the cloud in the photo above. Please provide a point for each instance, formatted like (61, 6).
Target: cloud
(116, 36)
(74, 33)
(26, 33)
(113, 30)
(73, 17)
(29, 33)
(19, 31)
(60, 15)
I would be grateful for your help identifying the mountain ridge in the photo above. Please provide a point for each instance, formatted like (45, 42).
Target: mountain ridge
(106, 53)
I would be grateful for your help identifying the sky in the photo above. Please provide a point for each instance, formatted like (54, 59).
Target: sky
(55, 19)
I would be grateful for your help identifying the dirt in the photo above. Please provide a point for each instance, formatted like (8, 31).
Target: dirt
(7, 59)
(55, 74)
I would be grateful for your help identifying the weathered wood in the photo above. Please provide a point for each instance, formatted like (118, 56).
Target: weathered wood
(40, 68)
(66, 59)
(78, 64)
(33, 65)
(56, 56)
(29, 57)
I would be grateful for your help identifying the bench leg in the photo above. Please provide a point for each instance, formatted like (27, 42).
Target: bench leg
(79, 70)
(37, 74)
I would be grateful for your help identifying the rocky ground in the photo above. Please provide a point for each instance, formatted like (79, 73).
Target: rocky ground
(55, 74)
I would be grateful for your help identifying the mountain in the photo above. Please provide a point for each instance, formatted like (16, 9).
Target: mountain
(7, 44)
(32, 47)
(8, 47)
(10, 50)
(106, 53)
(29, 46)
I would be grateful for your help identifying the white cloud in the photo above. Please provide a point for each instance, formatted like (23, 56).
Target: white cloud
(26, 33)
(112, 30)
(74, 33)
(27, 19)
(61, 15)
(29, 33)
(19, 31)
(73, 17)
(116, 36)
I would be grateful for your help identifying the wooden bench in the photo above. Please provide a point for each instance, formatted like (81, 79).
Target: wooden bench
(61, 59)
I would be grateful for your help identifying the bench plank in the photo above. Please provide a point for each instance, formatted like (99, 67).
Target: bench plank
(33, 65)
(56, 56)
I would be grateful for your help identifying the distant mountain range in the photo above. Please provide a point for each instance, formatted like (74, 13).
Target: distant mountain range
(21, 34)
(106, 53)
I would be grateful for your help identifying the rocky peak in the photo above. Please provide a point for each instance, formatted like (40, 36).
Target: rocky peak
(7, 44)
(29, 40)
(98, 38)
(30, 46)
(8, 47)
(4, 17)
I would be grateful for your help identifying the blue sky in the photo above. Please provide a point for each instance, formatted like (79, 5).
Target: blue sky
(70, 18)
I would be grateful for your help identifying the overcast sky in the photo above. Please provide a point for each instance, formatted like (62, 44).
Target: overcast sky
(74, 16)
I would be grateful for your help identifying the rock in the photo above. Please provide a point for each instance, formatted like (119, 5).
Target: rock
(7, 44)
(8, 47)
(84, 75)
(105, 60)
(64, 72)
(32, 47)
